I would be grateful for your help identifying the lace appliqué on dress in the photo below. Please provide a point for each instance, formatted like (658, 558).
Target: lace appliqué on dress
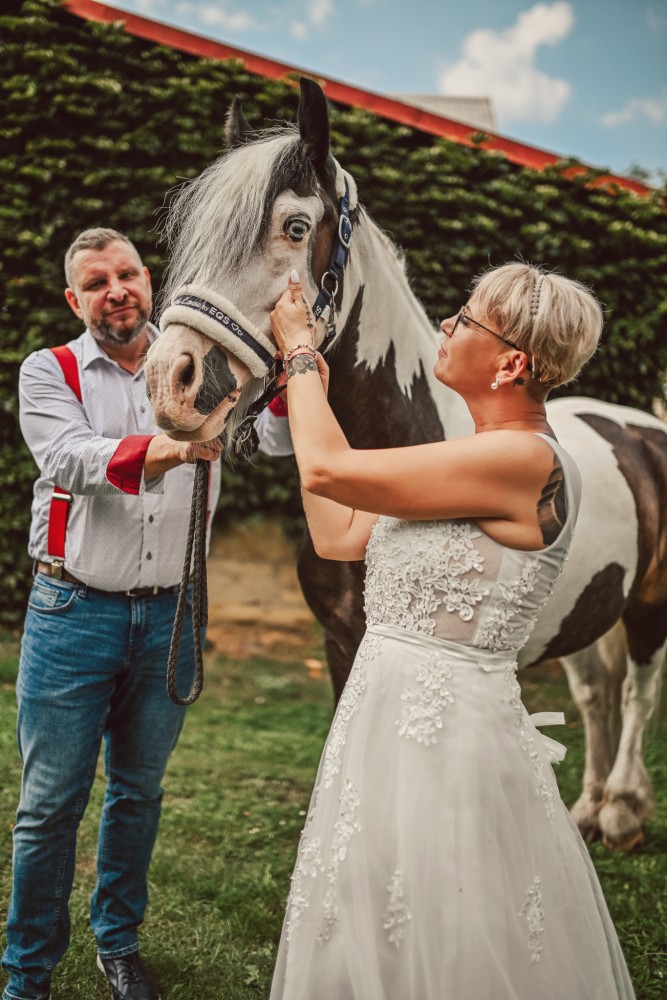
(310, 864)
(527, 741)
(496, 632)
(534, 914)
(414, 568)
(423, 706)
(397, 914)
(344, 828)
(352, 694)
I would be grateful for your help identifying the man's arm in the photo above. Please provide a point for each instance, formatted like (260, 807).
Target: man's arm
(70, 453)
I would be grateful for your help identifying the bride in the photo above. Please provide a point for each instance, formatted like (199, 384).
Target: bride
(438, 861)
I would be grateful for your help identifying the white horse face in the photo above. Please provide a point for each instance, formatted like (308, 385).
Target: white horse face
(293, 235)
(193, 384)
(267, 207)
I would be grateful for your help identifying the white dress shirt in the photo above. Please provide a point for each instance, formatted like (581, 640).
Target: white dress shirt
(122, 532)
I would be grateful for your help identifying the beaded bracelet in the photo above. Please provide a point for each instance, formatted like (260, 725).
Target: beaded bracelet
(298, 347)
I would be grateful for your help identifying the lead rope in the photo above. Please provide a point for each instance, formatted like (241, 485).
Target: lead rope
(197, 575)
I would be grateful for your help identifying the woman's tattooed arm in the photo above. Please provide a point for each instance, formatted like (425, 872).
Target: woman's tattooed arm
(300, 364)
(552, 505)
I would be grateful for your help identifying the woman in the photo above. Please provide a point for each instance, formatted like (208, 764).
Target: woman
(438, 861)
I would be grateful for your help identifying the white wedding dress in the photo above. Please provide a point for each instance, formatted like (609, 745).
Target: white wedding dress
(438, 861)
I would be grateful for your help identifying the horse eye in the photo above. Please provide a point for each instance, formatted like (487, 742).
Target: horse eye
(296, 229)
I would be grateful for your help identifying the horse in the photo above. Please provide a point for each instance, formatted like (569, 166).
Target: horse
(278, 199)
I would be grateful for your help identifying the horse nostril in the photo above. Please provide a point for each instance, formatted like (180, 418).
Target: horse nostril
(187, 374)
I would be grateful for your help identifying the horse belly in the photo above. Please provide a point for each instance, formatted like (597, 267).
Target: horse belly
(591, 592)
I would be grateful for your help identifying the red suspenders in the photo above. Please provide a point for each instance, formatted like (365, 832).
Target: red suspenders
(60, 499)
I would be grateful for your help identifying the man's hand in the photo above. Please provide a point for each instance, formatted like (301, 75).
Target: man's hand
(163, 454)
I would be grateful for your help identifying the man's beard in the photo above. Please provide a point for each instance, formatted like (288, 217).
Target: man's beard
(108, 333)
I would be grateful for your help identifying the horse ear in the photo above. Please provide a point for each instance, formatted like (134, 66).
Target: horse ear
(237, 129)
(313, 121)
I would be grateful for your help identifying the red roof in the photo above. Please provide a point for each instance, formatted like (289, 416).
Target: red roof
(343, 93)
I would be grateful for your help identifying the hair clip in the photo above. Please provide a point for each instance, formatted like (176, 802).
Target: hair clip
(535, 302)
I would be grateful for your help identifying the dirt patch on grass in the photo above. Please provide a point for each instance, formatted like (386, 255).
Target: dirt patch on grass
(256, 607)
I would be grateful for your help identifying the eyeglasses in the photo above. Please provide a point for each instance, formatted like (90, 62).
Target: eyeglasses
(466, 321)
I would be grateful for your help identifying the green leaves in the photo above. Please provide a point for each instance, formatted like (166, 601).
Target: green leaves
(100, 125)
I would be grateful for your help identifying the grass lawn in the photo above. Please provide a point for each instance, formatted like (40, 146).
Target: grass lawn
(237, 791)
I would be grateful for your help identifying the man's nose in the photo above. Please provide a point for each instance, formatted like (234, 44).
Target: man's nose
(117, 290)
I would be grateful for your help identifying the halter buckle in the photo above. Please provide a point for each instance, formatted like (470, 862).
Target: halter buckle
(345, 231)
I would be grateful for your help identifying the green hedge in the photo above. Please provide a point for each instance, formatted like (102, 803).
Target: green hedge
(99, 127)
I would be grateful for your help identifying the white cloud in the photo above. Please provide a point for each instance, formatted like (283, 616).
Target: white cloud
(317, 13)
(217, 16)
(501, 65)
(299, 30)
(653, 108)
(151, 6)
(320, 11)
(656, 19)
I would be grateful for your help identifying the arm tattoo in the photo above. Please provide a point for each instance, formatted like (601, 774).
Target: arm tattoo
(552, 505)
(300, 364)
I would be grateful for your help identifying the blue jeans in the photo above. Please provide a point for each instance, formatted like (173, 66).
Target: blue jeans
(93, 665)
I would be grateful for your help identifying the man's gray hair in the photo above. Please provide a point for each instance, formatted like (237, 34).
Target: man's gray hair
(92, 239)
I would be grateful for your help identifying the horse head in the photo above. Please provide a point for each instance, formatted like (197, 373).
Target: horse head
(270, 204)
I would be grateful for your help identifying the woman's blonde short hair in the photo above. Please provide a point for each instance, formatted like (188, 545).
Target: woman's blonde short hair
(555, 320)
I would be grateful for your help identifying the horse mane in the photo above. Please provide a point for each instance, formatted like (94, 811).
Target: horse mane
(215, 222)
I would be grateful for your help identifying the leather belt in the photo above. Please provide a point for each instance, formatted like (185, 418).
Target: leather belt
(60, 573)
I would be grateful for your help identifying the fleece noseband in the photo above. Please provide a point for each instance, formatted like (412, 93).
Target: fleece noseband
(218, 318)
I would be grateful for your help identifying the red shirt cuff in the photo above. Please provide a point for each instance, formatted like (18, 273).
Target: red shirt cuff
(278, 407)
(126, 465)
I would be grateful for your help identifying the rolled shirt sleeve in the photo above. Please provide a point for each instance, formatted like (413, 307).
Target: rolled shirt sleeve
(67, 450)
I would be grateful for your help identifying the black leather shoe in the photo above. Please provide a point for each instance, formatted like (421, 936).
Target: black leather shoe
(128, 978)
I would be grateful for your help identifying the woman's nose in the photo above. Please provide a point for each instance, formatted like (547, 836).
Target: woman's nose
(447, 325)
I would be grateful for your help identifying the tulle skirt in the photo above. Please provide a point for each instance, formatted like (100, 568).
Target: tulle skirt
(438, 861)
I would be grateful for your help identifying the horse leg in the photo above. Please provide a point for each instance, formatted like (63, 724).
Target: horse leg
(339, 660)
(334, 593)
(594, 675)
(628, 796)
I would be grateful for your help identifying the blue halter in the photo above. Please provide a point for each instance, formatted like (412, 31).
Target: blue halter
(324, 303)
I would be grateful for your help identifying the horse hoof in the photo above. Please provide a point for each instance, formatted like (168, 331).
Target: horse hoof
(585, 813)
(626, 846)
(621, 825)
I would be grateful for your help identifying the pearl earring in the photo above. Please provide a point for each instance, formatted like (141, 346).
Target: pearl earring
(494, 385)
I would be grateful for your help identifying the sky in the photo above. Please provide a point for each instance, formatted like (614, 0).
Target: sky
(583, 78)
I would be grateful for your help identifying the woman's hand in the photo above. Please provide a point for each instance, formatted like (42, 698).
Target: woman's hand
(292, 320)
(323, 370)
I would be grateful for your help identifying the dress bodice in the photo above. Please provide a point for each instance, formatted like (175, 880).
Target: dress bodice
(451, 580)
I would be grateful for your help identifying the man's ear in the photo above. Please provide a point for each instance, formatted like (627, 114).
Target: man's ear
(73, 302)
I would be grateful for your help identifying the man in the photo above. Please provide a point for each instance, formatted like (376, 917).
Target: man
(98, 624)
